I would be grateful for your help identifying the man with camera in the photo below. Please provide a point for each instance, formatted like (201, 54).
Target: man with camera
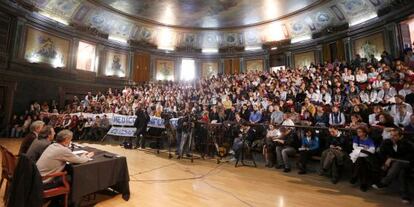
(141, 123)
(185, 126)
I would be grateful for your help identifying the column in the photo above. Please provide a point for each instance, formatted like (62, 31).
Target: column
(73, 56)
(18, 49)
(198, 68)
(318, 54)
(392, 45)
(242, 65)
(288, 59)
(221, 66)
(177, 69)
(266, 63)
(100, 66)
(130, 70)
(153, 70)
(348, 49)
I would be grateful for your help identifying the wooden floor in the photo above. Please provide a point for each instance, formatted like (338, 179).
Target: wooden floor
(158, 181)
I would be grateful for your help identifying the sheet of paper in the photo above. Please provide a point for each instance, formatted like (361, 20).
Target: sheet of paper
(79, 152)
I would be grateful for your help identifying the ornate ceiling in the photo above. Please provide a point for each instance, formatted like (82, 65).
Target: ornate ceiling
(208, 13)
(209, 23)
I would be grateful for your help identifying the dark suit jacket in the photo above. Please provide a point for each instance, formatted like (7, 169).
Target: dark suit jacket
(28, 139)
(404, 151)
(26, 188)
(142, 119)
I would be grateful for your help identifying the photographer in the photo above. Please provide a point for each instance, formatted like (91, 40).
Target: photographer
(185, 126)
(285, 147)
(246, 136)
(141, 123)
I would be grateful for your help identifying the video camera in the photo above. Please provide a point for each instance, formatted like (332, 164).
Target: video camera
(168, 115)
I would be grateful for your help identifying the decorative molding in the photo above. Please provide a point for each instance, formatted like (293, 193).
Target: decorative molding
(89, 30)
(95, 18)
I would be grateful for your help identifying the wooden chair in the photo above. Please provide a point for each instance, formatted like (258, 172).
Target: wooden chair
(8, 165)
(60, 190)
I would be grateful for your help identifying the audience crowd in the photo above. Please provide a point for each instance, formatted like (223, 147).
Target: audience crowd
(365, 104)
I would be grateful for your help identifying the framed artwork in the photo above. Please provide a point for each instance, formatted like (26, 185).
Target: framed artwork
(304, 59)
(164, 69)
(209, 69)
(116, 63)
(370, 45)
(86, 57)
(254, 66)
(42, 47)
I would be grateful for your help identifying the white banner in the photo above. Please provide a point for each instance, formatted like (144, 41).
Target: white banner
(123, 120)
(122, 132)
(156, 122)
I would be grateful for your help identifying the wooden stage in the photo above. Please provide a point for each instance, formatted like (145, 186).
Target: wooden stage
(159, 181)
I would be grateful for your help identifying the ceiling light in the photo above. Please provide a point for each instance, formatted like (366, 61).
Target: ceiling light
(117, 39)
(250, 48)
(274, 32)
(209, 50)
(362, 20)
(273, 48)
(166, 39)
(300, 39)
(57, 19)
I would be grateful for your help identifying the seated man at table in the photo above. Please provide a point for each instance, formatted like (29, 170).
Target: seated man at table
(35, 128)
(45, 138)
(55, 156)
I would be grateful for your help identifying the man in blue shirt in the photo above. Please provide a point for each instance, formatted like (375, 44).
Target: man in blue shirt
(255, 115)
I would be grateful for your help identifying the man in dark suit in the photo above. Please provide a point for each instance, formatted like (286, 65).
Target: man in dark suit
(44, 139)
(397, 158)
(35, 129)
(409, 98)
(141, 123)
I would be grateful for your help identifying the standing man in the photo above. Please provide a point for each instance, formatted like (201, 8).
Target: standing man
(141, 123)
(185, 130)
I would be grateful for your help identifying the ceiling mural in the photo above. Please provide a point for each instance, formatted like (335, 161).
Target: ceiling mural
(207, 13)
(236, 22)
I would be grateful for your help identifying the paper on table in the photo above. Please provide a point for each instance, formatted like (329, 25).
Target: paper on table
(78, 152)
(78, 145)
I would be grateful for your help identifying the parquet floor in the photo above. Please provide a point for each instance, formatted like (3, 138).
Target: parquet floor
(159, 181)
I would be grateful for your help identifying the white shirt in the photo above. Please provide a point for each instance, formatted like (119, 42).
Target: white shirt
(377, 84)
(402, 119)
(386, 95)
(326, 98)
(394, 110)
(273, 133)
(315, 97)
(404, 92)
(348, 78)
(364, 97)
(373, 97)
(361, 78)
(54, 159)
(288, 122)
(373, 119)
